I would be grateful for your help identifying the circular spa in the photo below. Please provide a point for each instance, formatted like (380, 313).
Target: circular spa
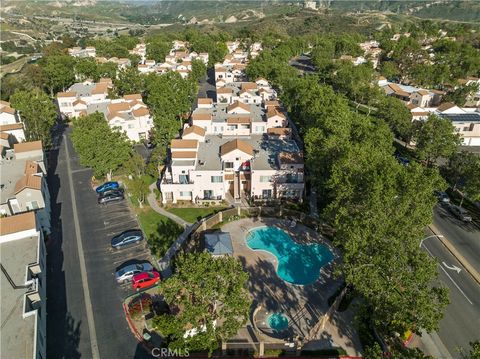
(298, 264)
(277, 322)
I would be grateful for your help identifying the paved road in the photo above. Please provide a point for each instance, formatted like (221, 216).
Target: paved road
(464, 236)
(303, 63)
(462, 316)
(84, 308)
(206, 86)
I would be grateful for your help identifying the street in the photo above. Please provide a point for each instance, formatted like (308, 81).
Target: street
(464, 236)
(461, 320)
(84, 305)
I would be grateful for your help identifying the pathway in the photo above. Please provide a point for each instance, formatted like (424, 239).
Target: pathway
(164, 263)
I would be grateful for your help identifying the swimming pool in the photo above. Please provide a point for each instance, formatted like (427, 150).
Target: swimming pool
(297, 263)
(277, 321)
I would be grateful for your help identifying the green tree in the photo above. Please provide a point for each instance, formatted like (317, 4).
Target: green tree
(375, 352)
(129, 81)
(37, 112)
(59, 72)
(86, 68)
(107, 69)
(209, 293)
(380, 209)
(436, 138)
(460, 95)
(137, 185)
(158, 48)
(98, 146)
(396, 115)
(463, 169)
(199, 71)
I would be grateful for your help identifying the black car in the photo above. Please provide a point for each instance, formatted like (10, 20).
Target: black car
(127, 238)
(118, 191)
(111, 197)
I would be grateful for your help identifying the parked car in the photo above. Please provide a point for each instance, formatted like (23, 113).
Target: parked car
(125, 274)
(127, 238)
(149, 145)
(111, 197)
(402, 160)
(107, 186)
(145, 279)
(114, 191)
(442, 197)
(461, 213)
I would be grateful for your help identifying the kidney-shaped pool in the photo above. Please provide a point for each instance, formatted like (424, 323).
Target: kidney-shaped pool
(297, 263)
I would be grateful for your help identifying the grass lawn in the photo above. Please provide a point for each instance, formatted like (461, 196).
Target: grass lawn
(193, 214)
(160, 231)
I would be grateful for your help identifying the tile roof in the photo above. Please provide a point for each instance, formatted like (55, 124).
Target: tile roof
(236, 145)
(27, 146)
(194, 129)
(17, 223)
(28, 181)
(238, 104)
(11, 126)
(280, 131)
(135, 96)
(67, 94)
(142, 111)
(445, 106)
(201, 116)
(205, 101)
(184, 154)
(184, 143)
(225, 90)
(291, 157)
(237, 120)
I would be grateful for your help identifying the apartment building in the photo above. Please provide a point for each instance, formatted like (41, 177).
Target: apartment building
(23, 287)
(89, 51)
(411, 94)
(229, 151)
(232, 46)
(122, 62)
(256, 92)
(139, 50)
(74, 102)
(128, 114)
(23, 184)
(10, 124)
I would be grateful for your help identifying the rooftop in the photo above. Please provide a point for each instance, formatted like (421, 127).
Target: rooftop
(18, 333)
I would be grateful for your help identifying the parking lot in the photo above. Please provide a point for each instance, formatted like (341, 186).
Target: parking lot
(95, 316)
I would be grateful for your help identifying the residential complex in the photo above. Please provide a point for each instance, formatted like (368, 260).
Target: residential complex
(23, 182)
(11, 127)
(422, 103)
(89, 51)
(236, 148)
(128, 114)
(23, 287)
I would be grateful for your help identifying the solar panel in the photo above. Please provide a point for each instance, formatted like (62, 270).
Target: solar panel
(462, 117)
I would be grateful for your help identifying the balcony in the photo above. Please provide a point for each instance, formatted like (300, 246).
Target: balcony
(171, 181)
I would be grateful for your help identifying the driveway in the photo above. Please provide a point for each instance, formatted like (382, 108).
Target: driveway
(84, 306)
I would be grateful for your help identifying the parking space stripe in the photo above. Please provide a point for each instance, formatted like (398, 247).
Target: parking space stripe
(83, 271)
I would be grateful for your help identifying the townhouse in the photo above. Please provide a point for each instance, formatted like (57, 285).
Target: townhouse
(23, 287)
(127, 114)
(473, 99)
(11, 127)
(122, 63)
(139, 50)
(232, 152)
(75, 100)
(23, 184)
(232, 46)
(246, 92)
(412, 95)
(466, 120)
(89, 51)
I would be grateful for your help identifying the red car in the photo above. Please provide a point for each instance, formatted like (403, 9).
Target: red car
(145, 279)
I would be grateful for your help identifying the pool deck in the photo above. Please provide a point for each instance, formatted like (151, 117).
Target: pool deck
(304, 305)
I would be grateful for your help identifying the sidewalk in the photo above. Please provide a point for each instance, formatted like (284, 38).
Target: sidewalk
(152, 201)
(164, 263)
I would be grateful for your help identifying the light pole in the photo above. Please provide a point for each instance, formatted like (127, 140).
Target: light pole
(433, 235)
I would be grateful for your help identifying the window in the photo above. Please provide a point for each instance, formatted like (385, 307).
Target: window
(260, 129)
(186, 194)
(265, 178)
(228, 165)
(216, 179)
(207, 194)
(183, 179)
(231, 127)
(267, 193)
(130, 126)
(32, 205)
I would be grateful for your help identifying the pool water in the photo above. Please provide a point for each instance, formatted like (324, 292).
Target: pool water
(277, 321)
(297, 263)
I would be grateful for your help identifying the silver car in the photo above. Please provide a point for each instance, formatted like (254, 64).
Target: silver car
(461, 213)
(125, 274)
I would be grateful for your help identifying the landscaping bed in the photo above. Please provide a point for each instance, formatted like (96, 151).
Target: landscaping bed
(159, 230)
(193, 214)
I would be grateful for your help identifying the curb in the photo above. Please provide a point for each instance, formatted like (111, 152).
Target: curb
(451, 248)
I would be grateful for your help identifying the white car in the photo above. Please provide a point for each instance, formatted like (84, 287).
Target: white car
(125, 274)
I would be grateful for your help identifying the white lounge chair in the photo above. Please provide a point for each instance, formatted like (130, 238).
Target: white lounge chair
(293, 224)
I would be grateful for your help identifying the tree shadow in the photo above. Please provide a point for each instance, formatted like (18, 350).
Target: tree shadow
(63, 332)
